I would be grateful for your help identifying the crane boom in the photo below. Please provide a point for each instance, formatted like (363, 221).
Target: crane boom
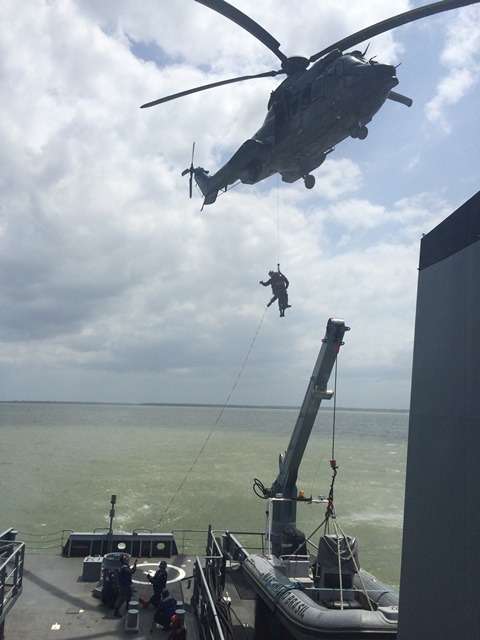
(284, 513)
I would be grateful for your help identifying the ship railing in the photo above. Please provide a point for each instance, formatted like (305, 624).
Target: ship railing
(12, 555)
(139, 543)
(240, 544)
(190, 541)
(207, 604)
(45, 542)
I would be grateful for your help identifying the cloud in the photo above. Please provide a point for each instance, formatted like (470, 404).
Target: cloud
(460, 57)
(115, 287)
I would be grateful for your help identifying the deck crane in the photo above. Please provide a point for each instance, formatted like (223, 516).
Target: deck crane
(283, 513)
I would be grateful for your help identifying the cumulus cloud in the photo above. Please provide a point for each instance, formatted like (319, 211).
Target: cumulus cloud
(461, 58)
(114, 286)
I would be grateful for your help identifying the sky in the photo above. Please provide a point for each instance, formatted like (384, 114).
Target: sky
(116, 287)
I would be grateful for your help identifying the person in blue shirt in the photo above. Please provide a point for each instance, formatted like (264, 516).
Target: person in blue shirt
(159, 582)
(166, 609)
(124, 580)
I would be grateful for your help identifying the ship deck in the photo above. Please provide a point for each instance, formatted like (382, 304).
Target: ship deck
(57, 602)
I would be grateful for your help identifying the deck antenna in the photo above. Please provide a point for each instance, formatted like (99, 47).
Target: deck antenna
(113, 500)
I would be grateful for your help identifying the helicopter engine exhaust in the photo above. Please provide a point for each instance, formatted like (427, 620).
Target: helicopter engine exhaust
(398, 97)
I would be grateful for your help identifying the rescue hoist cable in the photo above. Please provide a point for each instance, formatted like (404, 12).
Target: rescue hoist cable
(278, 236)
(278, 223)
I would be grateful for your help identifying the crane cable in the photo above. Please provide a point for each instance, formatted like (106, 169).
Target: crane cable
(330, 511)
(331, 514)
(202, 448)
(333, 461)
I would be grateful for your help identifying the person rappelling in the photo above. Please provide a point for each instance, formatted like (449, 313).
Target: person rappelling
(279, 283)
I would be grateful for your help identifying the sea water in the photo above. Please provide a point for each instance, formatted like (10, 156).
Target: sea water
(185, 467)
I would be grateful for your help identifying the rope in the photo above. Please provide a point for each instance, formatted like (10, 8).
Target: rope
(334, 407)
(330, 506)
(357, 568)
(241, 369)
(333, 462)
(202, 449)
(340, 574)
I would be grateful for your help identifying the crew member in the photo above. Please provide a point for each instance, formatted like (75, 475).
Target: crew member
(124, 584)
(279, 284)
(166, 609)
(178, 631)
(159, 582)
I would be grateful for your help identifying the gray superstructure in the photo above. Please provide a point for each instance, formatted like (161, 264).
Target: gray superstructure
(441, 555)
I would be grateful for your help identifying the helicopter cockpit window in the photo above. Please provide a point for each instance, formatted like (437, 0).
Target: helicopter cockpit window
(334, 78)
(306, 96)
(352, 69)
(317, 88)
(270, 115)
(349, 62)
(294, 105)
(330, 81)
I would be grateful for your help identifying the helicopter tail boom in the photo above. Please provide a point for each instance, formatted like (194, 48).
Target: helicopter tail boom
(205, 183)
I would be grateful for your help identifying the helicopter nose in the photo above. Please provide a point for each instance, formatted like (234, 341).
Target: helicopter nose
(386, 73)
(385, 70)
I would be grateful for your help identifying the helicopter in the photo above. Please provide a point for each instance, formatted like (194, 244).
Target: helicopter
(324, 99)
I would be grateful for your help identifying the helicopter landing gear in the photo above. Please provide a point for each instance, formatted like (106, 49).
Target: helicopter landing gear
(309, 181)
(359, 131)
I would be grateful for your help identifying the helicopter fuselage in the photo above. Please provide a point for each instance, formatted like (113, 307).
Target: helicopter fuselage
(308, 115)
(311, 111)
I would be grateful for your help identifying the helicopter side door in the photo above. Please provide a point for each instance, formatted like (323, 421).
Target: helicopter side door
(296, 106)
(295, 113)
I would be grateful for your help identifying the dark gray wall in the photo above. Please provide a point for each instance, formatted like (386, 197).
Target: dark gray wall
(439, 588)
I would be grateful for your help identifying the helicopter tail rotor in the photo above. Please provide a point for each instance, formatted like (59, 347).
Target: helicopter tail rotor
(191, 171)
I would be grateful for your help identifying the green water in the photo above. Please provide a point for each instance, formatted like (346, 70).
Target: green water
(176, 467)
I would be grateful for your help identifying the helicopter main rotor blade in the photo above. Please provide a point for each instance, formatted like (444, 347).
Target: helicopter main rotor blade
(204, 87)
(392, 23)
(235, 15)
